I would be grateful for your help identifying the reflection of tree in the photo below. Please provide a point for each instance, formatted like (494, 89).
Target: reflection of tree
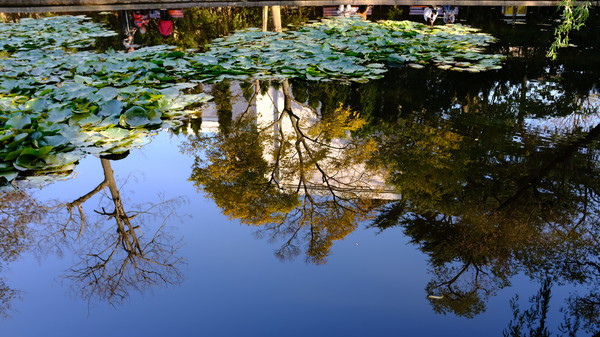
(117, 260)
(583, 312)
(299, 175)
(484, 207)
(486, 196)
(17, 212)
(471, 258)
(580, 314)
(534, 318)
(7, 297)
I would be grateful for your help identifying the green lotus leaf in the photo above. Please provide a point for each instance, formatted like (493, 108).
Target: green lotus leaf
(106, 94)
(20, 136)
(83, 79)
(50, 175)
(4, 136)
(59, 114)
(36, 104)
(111, 108)
(9, 175)
(137, 116)
(9, 84)
(185, 100)
(61, 159)
(29, 154)
(54, 140)
(88, 119)
(140, 141)
(109, 121)
(170, 92)
(18, 121)
(13, 154)
(115, 133)
(29, 162)
(73, 91)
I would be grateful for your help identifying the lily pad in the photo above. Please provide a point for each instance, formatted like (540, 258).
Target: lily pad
(138, 116)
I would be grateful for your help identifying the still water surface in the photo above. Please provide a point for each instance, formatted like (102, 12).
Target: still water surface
(450, 194)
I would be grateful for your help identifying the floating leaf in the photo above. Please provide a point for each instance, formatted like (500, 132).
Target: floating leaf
(18, 121)
(115, 133)
(111, 108)
(55, 140)
(138, 116)
(106, 94)
(9, 175)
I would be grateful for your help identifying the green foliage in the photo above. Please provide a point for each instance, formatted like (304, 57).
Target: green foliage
(344, 49)
(573, 18)
(487, 196)
(396, 12)
(337, 124)
(51, 32)
(428, 160)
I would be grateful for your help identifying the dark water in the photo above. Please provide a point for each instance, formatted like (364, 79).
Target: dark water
(426, 203)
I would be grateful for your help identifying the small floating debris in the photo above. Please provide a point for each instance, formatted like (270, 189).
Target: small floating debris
(436, 297)
(416, 65)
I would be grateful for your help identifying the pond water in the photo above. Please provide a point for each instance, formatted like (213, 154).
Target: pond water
(321, 181)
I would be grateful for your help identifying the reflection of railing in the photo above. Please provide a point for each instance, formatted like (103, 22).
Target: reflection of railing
(12, 6)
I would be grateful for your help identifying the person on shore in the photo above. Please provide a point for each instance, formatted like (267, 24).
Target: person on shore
(165, 24)
(128, 43)
(141, 21)
(449, 14)
(348, 10)
(363, 11)
(430, 15)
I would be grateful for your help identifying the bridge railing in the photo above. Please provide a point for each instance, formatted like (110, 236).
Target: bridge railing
(104, 5)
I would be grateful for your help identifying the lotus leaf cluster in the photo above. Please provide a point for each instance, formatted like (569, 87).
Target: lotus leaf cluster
(59, 103)
(50, 32)
(345, 49)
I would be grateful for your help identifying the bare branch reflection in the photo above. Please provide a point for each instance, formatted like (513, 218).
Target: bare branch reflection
(298, 175)
(132, 254)
(17, 211)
